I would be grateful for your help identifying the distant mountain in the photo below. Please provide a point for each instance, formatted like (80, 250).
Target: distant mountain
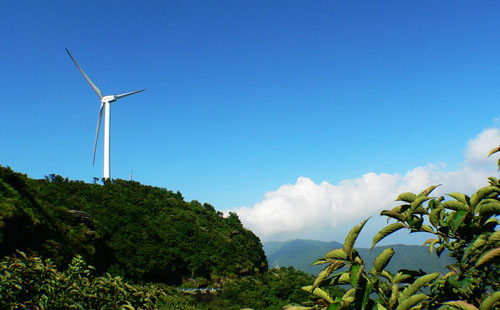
(302, 253)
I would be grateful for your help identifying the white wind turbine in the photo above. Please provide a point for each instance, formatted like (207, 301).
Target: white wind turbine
(105, 105)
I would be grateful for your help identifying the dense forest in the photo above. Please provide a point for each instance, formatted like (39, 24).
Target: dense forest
(123, 245)
(122, 227)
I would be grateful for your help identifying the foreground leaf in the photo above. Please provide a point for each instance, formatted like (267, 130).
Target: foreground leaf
(351, 238)
(336, 254)
(428, 190)
(488, 207)
(460, 197)
(411, 301)
(417, 285)
(318, 292)
(455, 205)
(493, 151)
(406, 197)
(291, 307)
(489, 302)
(482, 193)
(457, 219)
(488, 257)
(386, 231)
(382, 260)
(459, 304)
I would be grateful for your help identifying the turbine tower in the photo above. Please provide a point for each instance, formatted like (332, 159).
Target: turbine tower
(106, 107)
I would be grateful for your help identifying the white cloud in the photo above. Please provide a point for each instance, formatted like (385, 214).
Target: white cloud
(300, 209)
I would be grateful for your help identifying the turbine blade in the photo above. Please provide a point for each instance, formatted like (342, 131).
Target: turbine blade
(97, 130)
(128, 94)
(97, 90)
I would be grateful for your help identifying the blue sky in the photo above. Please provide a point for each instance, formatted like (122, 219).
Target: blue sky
(244, 97)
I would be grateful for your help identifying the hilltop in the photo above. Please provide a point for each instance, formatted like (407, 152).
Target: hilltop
(140, 232)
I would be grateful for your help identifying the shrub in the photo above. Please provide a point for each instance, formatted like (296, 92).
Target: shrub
(30, 282)
(467, 227)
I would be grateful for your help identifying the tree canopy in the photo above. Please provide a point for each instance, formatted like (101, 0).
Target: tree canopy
(140, 232)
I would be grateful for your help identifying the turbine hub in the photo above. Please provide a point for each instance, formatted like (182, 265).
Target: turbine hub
(110, 98)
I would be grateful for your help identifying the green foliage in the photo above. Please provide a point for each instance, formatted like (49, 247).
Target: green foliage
(143, 233)
(271, 290)
(466, 227)
(30, 282)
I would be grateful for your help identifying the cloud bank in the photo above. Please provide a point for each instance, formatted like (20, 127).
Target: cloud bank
(298, 210)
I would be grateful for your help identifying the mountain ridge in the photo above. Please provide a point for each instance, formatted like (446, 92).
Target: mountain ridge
(301, 253)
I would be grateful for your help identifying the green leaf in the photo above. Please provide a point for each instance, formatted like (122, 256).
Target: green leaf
(474, 246)
(354, 273)
(493, 151)
(491, 223)
(417, 203)
(382, 260)
(417, 285)
(318, 292)
(428, 190)
(321, 261)
(351, 238)
(488, 207)
(411, 301)
(459, 304)
(381, 307)
(393, 214)
(482, 193)
(342, 278)
(420, 210)
(493, 181)
(427, 228)
(323, 275)
(458, 218)
(489, 302)
(349, 293)
(435, 216)
(336, 254)
(455, 205)
(488, 257)
(386, 231)
(494, 238)
(292, 307)
(432, 243)
(406, 197)
(440, 250)
(460, 197)
(401, 278)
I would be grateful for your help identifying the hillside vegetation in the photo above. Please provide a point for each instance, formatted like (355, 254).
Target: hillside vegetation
(142, 233)
(122, 245)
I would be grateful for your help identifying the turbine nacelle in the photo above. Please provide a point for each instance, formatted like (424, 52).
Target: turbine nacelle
(111, 98)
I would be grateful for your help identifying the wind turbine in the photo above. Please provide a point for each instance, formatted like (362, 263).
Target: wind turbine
(106, 107)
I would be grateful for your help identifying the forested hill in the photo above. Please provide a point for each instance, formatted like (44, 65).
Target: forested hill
(141, 232)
